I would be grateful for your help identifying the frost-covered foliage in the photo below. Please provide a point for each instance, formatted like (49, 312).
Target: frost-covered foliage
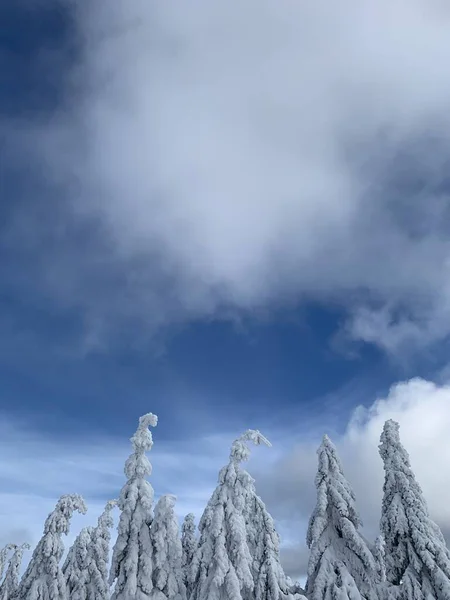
(188, 548)
(380, 558)
(98, 586)
(165, 536)
(10, 585)
(269, 578)
(222, 565)
(4, 556)
(76, 566)
(341, 565)
(132, 561)
(416, 555)
(44, 579)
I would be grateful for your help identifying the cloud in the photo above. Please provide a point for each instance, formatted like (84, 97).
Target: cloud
(423, 410)
(224, 159)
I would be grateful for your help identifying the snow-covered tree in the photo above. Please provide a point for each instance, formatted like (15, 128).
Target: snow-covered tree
(4, 556)
(10, 585)
(269, 578)
(380, 558)
(188, 547)
(98, 585)
(416, 555)
(165, 536)
(222, 565)
(132, 561)
(44, 579)
(341, 564)
(76, 566)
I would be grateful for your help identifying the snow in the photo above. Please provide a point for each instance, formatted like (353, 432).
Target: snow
(341, 564)
(10, 584)
(416, 555)
(223, 564)
(167, 551)
(76, 565)
(98, 584)
(237, 554)
(189, 548)
(132, 561)
(44, 579)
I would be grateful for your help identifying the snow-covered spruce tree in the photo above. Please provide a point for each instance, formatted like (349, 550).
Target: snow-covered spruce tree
(166, 542)
(415, 551)
(10, 585)
(98, 586)
(341, 564)
(380, 558)
(188, 549)
(132, 560)
(44, 579)
(4, 556)
(76, 566)
(270, 580)
(222, 564)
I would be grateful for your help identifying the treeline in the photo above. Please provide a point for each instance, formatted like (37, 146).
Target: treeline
(234, 553)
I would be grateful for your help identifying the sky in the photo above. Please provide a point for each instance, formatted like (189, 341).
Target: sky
(233, 215)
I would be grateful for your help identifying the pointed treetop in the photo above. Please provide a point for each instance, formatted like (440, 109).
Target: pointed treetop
(10, 583)
(165, 502)
(390, 438)
(240, 450)
(3, 554)
(65, 507)
(142, 439)
(105, 518)
(138, 464)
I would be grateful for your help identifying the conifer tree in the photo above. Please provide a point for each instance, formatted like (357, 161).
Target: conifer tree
(189, 547)
(341, 565)
(44, 579)
(10, 585)
(76, 566)
(270, 580)
(416, 555)
(98, 585)
(165, 536)
(4, 556)
(132, 560)
(222, 564)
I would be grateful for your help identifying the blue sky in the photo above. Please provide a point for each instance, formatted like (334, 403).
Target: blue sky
(232, 216)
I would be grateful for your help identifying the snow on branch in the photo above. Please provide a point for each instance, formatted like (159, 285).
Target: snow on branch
(240, 450)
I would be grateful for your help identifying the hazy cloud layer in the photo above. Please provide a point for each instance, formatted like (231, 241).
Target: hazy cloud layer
(247, 155)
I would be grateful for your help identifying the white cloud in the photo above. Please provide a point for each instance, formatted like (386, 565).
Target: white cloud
(241, 156)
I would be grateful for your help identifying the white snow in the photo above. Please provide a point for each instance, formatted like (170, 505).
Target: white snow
(132, 561)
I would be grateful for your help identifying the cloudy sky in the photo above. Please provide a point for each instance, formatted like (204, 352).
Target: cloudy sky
(232, 215)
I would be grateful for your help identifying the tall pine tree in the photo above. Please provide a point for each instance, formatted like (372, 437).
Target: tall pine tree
(98, 585)
(188, 547)
(10, 585)
(415, 553)
(44, 579)
(165, 536)
(222, 567)
(4, 556)
(341, 564)
(132, 560)
(269, 578)
(76, 566)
